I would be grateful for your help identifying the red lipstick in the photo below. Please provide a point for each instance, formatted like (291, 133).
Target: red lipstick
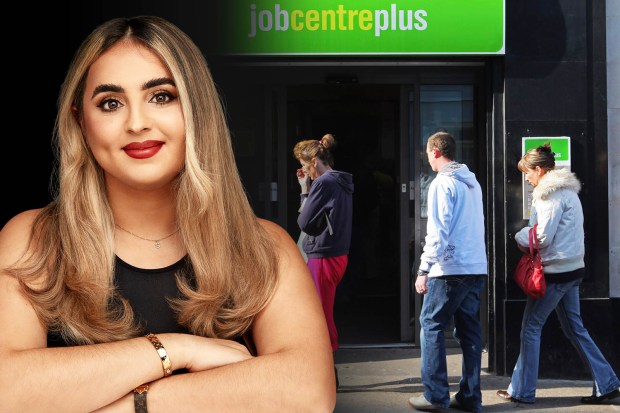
(143, 150)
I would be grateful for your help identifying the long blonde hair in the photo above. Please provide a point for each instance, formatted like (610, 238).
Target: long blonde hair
(230, 253)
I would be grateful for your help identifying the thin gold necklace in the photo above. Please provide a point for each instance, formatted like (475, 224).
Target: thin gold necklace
(156, 241)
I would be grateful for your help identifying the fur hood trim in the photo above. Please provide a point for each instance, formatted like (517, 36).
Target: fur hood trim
(555, 180)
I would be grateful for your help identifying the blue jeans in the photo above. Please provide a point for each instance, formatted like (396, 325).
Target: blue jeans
(564, 298)
(448, 297)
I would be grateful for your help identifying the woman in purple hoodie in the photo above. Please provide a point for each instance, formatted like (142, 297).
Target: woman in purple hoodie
(326, 218)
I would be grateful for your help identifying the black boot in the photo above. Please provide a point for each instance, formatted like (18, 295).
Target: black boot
(594, 399)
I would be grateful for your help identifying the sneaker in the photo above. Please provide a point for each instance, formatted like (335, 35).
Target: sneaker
(420, 403)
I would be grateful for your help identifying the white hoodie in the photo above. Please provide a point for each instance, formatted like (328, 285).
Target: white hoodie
(556, 209)
(454, 243)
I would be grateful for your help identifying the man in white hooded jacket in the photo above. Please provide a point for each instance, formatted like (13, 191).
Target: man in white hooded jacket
(453, 268)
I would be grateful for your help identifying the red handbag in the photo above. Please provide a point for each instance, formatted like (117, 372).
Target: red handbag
(529, 272)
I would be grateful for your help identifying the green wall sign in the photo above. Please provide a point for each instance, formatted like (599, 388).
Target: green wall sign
(363, 27)
(559, 145)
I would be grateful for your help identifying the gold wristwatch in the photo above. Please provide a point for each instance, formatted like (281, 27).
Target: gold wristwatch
(139, 398)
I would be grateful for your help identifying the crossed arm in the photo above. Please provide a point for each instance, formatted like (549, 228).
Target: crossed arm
(293, 369)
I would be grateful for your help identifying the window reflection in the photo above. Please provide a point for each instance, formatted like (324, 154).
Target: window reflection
(449, 108)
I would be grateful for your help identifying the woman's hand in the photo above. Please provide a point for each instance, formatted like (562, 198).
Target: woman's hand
(523, 248)
(304, 181)
(208, 353)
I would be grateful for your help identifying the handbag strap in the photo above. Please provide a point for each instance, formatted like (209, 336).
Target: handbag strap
(533, 240)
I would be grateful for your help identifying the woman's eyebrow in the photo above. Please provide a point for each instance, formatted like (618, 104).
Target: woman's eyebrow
(158, 82)
(109, 87)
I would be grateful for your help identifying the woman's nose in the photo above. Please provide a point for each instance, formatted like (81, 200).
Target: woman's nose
(138, 119)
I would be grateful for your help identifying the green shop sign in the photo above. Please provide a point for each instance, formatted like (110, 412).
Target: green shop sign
(363, 27)
(559, 145)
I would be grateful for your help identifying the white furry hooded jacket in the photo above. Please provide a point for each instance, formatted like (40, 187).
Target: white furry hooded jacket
(557, 210)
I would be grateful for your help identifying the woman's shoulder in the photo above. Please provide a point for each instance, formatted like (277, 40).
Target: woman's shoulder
(15, 236)
(20, 223)
(275, 231)
(283, 244)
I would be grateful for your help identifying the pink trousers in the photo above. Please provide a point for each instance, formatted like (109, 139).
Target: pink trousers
(327, 273)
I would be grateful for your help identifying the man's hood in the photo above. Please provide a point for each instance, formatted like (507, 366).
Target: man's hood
(459, 172)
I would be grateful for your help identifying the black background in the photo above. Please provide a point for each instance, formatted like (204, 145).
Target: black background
(36, 54)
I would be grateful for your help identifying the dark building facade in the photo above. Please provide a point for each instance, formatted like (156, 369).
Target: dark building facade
(549, 80)
(554, 80)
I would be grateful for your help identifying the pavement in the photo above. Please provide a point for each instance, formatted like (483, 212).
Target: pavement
(381, 380)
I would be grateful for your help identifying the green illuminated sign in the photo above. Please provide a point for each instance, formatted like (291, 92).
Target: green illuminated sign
(363, 27)
(559, 145)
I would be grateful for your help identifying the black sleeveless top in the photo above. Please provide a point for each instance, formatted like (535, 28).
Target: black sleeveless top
(147, 291)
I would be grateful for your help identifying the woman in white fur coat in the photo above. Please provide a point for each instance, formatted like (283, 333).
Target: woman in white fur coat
(556, 209)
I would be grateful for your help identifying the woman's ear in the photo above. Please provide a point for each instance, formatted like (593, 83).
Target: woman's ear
(76, 112)
(77, 116)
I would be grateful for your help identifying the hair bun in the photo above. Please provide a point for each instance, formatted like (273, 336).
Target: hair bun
(328, 140)
(545, 148)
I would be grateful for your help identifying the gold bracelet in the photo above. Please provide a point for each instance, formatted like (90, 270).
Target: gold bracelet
(163, 354)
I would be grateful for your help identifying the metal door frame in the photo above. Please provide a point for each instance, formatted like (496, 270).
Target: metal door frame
(410, 188)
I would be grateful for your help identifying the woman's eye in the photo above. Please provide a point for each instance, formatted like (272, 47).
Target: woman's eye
(109, 105)
(162, 97)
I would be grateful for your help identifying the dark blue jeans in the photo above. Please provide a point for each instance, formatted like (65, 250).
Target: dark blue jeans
(564, 298)
(448, 297)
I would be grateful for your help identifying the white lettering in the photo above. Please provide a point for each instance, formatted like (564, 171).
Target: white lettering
(252, 21)
(281, 19)
(381, 21)
(393, 16)
(265, 20)
(419, 16)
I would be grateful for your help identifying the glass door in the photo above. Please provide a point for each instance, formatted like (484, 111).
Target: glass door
(365, 122)
(449, 108)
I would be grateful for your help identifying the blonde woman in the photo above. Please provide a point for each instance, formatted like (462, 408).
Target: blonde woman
(326, 218)
(150, 231)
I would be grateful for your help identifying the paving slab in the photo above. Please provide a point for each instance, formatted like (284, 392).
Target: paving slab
(381, 380)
